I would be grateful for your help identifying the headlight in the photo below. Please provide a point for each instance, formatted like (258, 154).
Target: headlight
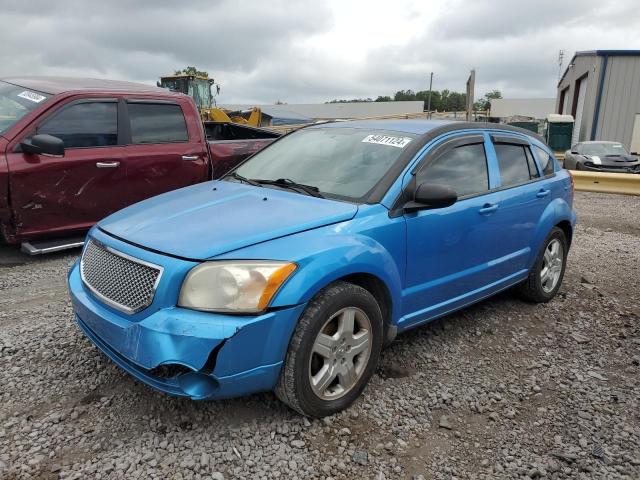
(234, 286)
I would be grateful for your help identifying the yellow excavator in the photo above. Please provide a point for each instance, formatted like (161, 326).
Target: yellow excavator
(201, 90)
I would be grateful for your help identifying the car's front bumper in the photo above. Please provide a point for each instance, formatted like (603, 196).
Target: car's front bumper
(635, 169)
(215, 356)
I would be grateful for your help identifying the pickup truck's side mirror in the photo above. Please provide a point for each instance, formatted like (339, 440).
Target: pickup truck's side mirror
(431, 195)
(42, 144)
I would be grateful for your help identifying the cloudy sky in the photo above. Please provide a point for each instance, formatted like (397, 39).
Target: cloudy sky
(314, 50)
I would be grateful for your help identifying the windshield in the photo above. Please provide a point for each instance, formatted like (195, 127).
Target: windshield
(15, 103)
(339, 162)
(602, 149)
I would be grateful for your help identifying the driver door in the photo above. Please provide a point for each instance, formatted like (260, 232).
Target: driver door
(452, 252)
(71, 193)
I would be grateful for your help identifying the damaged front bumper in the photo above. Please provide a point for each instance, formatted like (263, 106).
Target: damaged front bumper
(189, 353)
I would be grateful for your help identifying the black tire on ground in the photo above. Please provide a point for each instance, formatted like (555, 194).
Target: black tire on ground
(531, 289)
(294, 385)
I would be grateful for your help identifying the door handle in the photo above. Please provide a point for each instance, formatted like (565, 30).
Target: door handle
(190, 158)
(543, 193)
(488, 208)
(107, 164)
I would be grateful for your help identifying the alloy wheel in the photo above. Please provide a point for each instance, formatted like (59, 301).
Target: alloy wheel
(340, 353)
(551, 265)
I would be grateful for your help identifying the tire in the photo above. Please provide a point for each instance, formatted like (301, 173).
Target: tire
(534, 288)
(306, 371)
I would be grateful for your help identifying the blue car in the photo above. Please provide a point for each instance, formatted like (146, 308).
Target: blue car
(292, 271)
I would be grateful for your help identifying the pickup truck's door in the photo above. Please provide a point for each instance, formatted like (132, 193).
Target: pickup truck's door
(166, 149)
(73, 192)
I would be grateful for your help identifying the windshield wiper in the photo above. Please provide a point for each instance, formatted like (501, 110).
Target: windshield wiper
(288, 183)
(242, 179)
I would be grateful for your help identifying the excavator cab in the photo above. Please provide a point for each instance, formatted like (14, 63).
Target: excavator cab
(198, 88)
(201, 90)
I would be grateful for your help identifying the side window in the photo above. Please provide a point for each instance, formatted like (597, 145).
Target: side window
(464, 169)
(533, 169)
(513, 164)
(83, 125)
(544, 160)
(157, 123)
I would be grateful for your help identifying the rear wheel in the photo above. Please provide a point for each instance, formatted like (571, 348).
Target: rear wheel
(546, 275)
(333, 352)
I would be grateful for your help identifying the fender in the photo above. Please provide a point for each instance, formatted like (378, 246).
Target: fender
(557, 211)
(329, 253)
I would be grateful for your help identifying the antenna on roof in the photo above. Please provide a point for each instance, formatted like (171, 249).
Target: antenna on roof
(560, 59)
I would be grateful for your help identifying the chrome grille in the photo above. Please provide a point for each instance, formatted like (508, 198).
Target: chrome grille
(121, 281)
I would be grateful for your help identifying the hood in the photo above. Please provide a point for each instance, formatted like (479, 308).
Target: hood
(212, 218)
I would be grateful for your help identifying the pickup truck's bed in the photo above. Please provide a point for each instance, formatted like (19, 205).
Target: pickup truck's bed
(231, 143)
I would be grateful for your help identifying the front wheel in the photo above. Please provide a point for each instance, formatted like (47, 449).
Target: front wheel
(333, 352)
(545, 277)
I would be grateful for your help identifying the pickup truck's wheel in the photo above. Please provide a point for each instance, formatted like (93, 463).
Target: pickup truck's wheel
(546, 275)
(333, 352)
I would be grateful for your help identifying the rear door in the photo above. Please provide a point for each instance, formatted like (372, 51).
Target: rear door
(71, 193)
(524, 195)
(165, 149)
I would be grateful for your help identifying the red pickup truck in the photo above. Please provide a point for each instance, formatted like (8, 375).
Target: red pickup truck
(73, 150)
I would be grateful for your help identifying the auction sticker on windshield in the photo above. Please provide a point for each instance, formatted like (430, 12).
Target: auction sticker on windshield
(389, 140)
(32, 96)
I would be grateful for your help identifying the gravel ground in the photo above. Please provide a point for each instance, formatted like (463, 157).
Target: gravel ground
(500, 390)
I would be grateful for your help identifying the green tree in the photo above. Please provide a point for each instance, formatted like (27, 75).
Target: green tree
(485, 102)
(192, 71)
(385, 98)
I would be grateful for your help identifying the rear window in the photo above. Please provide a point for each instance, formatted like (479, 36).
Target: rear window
(157, 123)
(513, 163)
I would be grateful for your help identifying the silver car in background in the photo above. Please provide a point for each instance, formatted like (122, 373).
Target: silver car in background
(600, 156)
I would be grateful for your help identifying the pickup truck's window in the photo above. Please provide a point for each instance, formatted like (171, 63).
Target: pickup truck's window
(340, 162)
(157, 123)
(464, 169)
(16, 102)
(545, 160)
(514, 167)
(84, 125)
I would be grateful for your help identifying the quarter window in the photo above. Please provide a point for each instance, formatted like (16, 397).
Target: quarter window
(84, 125)
(533, 170)
(464, 169)
(544, 160)
(513, 164)
(157, 123)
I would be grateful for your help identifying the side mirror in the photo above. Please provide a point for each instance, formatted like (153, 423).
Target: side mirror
(431, 195)
(42, 144)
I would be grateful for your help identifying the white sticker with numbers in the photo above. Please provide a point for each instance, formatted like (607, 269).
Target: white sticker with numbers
(389, 140)
(32, 96)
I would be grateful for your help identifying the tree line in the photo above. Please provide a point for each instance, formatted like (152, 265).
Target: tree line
(441, 101)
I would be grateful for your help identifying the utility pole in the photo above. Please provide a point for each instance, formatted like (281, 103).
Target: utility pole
(429, 100)
(560, 59)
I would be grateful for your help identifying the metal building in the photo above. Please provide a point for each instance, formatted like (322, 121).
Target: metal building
(601, 89)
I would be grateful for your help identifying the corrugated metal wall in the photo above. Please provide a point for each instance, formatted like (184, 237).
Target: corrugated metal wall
(588, 65)
(620, 100)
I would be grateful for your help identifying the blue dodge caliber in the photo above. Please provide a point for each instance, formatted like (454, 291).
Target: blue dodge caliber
(292, 271)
